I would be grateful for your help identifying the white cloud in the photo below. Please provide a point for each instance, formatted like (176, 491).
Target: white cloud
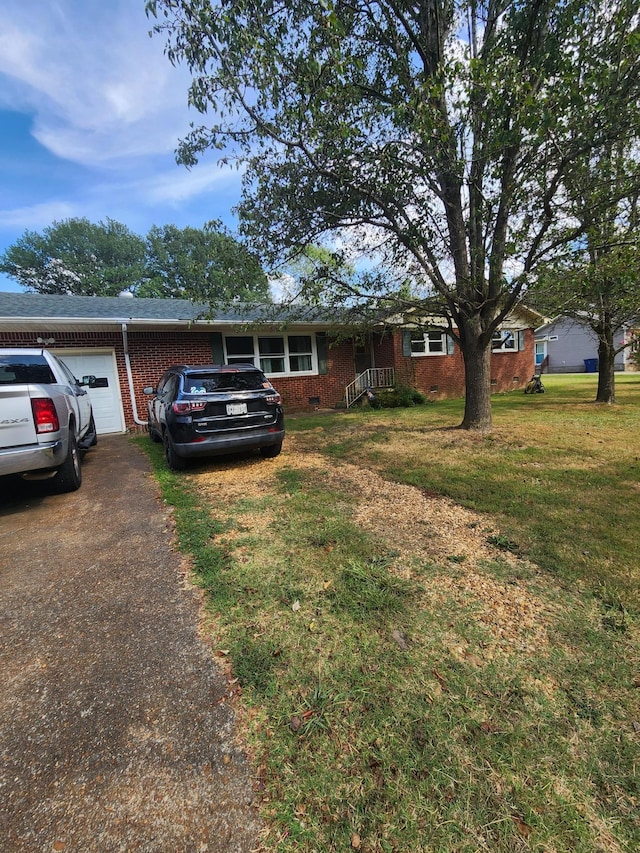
(37, 216)
(169, 188)
(107, 109)
(100, 89)
(180, 184)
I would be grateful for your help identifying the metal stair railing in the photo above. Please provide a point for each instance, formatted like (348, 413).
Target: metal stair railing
(374, 377)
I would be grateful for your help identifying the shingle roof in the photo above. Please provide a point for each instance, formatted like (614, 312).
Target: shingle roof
(37, 306)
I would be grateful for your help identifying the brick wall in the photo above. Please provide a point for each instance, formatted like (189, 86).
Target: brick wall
(326, 391)
(442, 376)
(151, 353)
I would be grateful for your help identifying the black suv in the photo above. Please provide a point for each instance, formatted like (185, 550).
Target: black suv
(208, 410)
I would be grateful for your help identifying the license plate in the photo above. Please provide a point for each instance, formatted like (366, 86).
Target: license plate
(236, 408)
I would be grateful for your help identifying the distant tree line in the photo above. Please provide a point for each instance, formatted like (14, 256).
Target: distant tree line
(76, 256)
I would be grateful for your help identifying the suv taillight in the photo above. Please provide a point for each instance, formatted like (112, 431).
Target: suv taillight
(186, 408)
(44, 415)
(274, 398)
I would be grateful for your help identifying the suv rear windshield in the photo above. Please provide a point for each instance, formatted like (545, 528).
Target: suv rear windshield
(24, 369)
(206, 383)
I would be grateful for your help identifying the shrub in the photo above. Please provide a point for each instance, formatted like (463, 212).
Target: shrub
(400, 396)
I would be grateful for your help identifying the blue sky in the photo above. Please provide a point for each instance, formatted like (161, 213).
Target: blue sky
(91, 112)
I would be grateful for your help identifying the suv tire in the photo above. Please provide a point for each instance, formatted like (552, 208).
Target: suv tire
(175, 462)
(270, 451)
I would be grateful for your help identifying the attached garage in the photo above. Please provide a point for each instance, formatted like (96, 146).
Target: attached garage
(128, 343)
(106, 398)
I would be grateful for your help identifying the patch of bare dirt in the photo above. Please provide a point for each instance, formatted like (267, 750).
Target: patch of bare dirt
(419, 528)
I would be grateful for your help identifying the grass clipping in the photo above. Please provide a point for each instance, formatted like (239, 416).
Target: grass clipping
(412, 684)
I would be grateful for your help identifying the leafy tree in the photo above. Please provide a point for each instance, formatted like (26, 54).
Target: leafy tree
(307, 276)
(204, 264)
(441, 129)
(597, 282)
(77, 256)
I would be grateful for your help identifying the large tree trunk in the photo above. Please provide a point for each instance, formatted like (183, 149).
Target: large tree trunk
(477, 374)
(606, 368)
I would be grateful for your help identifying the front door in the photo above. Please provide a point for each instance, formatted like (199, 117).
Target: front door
(541, 353)
(362, 356)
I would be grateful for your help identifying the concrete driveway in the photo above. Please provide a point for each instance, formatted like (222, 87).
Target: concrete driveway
(116, 733)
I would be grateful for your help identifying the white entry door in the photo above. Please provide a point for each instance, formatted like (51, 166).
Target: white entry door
(106, 399)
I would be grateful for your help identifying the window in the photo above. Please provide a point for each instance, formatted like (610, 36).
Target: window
(428, 343)
(504, 340)
(300, 353)
(23, 369)
(206, 383)
(275, 353)
(271, 354)
(168, 387)
(240, 350)
(435, 342)
(541, 352)
(70, 377)
(418, 344)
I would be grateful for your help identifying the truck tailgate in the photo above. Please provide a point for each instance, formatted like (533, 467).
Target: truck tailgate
(16, 417)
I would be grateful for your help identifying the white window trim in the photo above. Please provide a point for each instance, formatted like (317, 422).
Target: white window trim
(427, 352)
(514, 338)
(285, 337)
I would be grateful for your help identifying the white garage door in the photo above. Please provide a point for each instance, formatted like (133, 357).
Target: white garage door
(105, 399)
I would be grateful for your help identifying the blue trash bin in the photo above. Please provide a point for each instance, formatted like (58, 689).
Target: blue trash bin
(591, 365)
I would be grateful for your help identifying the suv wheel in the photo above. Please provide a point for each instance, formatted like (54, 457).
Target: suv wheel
(175, 462)
(271, 451)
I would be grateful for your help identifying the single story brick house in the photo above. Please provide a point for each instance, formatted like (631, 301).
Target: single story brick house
(127, 343)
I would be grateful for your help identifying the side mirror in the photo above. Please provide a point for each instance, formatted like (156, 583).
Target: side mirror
(87, 380)
(149, 390)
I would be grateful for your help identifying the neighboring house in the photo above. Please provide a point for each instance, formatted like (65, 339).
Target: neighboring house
(571, 347)
(127, 343)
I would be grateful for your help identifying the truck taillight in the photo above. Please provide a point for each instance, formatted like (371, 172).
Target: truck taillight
(45, 416)
(186, 408)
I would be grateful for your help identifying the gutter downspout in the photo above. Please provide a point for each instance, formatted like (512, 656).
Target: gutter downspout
(132, 394)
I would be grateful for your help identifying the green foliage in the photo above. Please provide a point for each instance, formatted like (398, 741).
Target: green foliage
(596, 282)
(400, 396)
(443, 151)
(77, 256)
(254, 662)
(503, 542)
(370, 590)
(203, 264)
(80, 257)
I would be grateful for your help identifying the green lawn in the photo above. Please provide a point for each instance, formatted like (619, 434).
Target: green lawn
(561, 473)
(383, 709)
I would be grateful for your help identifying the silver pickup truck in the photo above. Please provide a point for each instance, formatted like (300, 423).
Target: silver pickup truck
(45, 418)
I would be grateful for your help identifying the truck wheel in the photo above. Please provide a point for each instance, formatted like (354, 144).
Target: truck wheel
(92, 429)
(175, 462)
(155, 437)
(69, 476)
